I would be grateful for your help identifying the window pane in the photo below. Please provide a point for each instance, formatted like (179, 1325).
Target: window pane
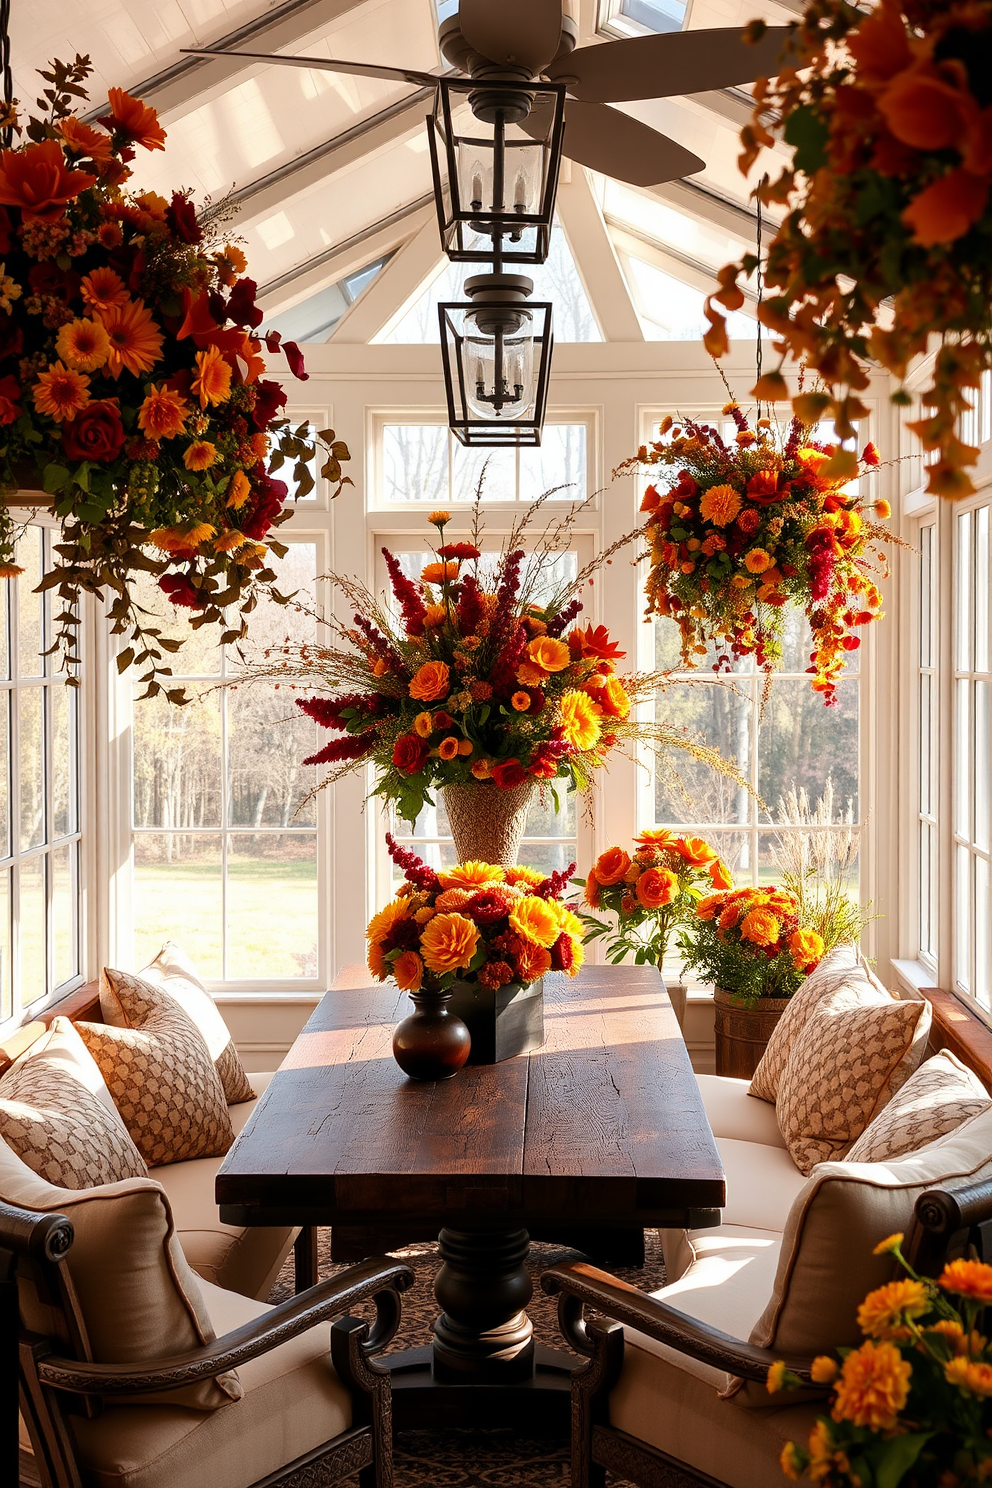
(31, 927)
(982, 589)
(962, 759)
(177, 894)
(272, 905)
(200, 653)
(962, 918)
(499, 482)
(177, 763)
(267, 740)
(981, 771)
(30, 605)
(981, 987)
(415, 463)
(6, 972)
(686, 789)
(65, 939)
(560, 460)
(964, 594)
(4, 774)
(801, 743)
(64, 804)
(29, 707)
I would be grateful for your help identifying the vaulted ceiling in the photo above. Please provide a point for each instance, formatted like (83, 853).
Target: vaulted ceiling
(331, 173)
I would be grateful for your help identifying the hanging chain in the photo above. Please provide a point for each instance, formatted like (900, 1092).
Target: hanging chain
(6, 76)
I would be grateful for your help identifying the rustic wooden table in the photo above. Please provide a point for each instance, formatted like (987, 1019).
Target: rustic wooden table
(602, 1127)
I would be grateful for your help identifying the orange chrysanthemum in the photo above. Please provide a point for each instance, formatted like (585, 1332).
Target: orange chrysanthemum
(579, 722)
(103, 290)
(135, 339)
(532, 961)
(719, 505)
(377, 963)
(971, 1377)
(884, 1311)
(163, 414)
(807, 948)
(61, 392)
(968, 1279)
(708, 906)
(760, 927)
(451, 899)
(238, 491)
(200, 455)
(37, 180)
(471, 875)
(83, 344)
(448, 943)
(519, 874)
(384, 919)
(212, 383)
(136, 119)
(437, 573)
(536, 920)
(408, 971)
(873, 1387)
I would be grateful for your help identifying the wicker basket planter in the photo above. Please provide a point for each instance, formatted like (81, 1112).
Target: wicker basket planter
(743, 1032)
(487, 823)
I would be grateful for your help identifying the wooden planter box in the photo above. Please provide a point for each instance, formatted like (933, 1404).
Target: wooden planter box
(742, 1032)
(502, 1023)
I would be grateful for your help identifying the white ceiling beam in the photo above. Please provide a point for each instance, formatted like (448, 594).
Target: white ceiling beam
(193, 81)
(596, 260)
(661, 256)
(375, 241)
(393, 287)
(707, 206)
(730, 103)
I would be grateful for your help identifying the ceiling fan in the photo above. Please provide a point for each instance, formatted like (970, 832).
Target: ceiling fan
(525, 41)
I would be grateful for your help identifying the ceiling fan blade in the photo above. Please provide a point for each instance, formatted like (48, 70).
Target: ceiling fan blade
(672, 63)
(522, 32)
(324, 64)
(617, 145)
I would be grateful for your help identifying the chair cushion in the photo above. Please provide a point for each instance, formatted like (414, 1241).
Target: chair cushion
(732, 1111)
(853, 1052)
(132, 1298)
(844, 967)
(843, 1211)
(293, 1402)
(58, 1115)
(159, 1071)
(175, 974)
(935, 1100)
(242, 1258)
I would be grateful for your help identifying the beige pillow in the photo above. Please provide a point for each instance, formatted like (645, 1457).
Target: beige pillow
(851, 1055)
(175, 974)
(159, 1071)
(938, 1098)
(132, 1297)
(826, 1266)
(844, 967)
(58, 1116)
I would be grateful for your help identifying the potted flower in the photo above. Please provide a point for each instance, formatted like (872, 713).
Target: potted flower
(746, 529)
(750, 943)
(913, 1404)
(132, 395)
(650, 892)
(886, 237)
(477, 680)
(471, 944)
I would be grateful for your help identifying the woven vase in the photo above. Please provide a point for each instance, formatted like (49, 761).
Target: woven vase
(487, 823)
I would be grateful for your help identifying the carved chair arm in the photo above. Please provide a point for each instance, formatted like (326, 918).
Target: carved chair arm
(379, 1279)
(579, 1285)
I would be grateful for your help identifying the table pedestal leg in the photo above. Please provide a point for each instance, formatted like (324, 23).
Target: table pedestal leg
(483, 1287)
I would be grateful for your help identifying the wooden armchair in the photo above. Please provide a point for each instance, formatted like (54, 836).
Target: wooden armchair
(945, 1223)
(76, 1428)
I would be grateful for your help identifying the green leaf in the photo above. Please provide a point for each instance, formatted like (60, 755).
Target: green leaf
(54, 478)
(893, 1459)
(807, 133)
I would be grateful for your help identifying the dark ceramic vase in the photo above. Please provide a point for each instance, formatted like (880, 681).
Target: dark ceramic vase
(432, 1043)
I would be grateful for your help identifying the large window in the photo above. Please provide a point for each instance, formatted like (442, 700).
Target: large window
(225, 857)
(929, 706)
(39, 795)
(423, 462)
(971, 759)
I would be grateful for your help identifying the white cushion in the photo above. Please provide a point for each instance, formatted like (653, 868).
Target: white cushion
(762, 1183)
(732, 1112)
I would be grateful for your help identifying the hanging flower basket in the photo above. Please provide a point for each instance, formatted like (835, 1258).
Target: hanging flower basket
(131, 383)
(887, 239)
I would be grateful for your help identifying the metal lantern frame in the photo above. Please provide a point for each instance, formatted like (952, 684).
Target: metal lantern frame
(493, 433)
(456, 219)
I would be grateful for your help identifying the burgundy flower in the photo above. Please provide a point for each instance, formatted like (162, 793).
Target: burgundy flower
(270, 398)
(509, 773)
(268, 496)
(469, 609)
(327, 711)
(241, 307)
(181, 217)
(409, 753)
(96, 433)
(407, 594)
(489, 905)
(562, 953)
(415, 870)
(560, 622)
(351, 747)
(294, 357)
(10, 393)
(179, 589)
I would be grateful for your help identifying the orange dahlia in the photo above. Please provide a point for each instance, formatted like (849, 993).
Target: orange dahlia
(135, 339)
(470, 875)
(760, 927)
(656, 887)
(61, 392)
(884, 1311)
(873, 1387)
(408, 971)
(536, 920)
(212, 383)
(163, 414)
(83, 344)
(448, 943)
(431, 682)
(103, 290)
(968, 1279)
(532, 961)
(611, 866)
(136, 119)
(719, 505)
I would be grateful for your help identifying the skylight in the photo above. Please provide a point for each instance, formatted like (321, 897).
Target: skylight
(671, 310)
(642, 17)
(314, 319)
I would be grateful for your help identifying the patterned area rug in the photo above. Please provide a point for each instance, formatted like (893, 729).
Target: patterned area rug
(480, 1458)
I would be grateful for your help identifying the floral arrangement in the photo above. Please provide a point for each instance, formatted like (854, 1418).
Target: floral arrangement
(476, 673)
(131, 385)
(749, 527)
(913, 1404)
(650, 891)
(887, 236)
(476, 922)
(751, 942)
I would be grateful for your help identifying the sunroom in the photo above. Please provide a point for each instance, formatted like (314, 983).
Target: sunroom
(495, 806)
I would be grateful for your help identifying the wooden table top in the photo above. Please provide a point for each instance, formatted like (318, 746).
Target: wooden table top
(605, 1122)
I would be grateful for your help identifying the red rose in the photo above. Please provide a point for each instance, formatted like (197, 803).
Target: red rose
(181, 217)
(181, 591)
(508, 774)
(409, 753)
(96, 433)
(10, 393)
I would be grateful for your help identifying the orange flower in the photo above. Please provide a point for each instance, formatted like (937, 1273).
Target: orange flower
(408, 971)
(518, 873)
(103, 290)
(535, 920)
(423, 725)
(377, 963)
(968, 1279)
(436, 573)
(695, 851)
(720, 875)
(238, 491)
(532, 961)
(707, 907)
(972, 1378)
(83, 344)
(756, 560)
(470, 875)
(212, 383)
(135, 339)
(530, 674)
(807, 949)
(383, 921)
(453, 899)
(612, 698)
(81, 139)
(657, 887)
(885, 1310)
(719, 505)
(520, 701)
(611, 866)
(579, 723)
(431, 682)
(183, 541)
(482, 769)
(38, 181)
(200, 455)
(448, 747)
(547, 653)
(658, 837)
(230, 541)
(594, 640)
(945, 209)
(435, 615)
(760, 927)
(448, 943)
(61, 393)
(924, 111)
(873, 1386)
(465, 747)
(591, 892)
(136, 120)
(162, 416)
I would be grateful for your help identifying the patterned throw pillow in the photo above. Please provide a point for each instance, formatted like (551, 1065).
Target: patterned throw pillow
(940, 1097)
(850, 1057)
(844, 967)
(174, 974)
(57, 1114)
(159, 1071)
